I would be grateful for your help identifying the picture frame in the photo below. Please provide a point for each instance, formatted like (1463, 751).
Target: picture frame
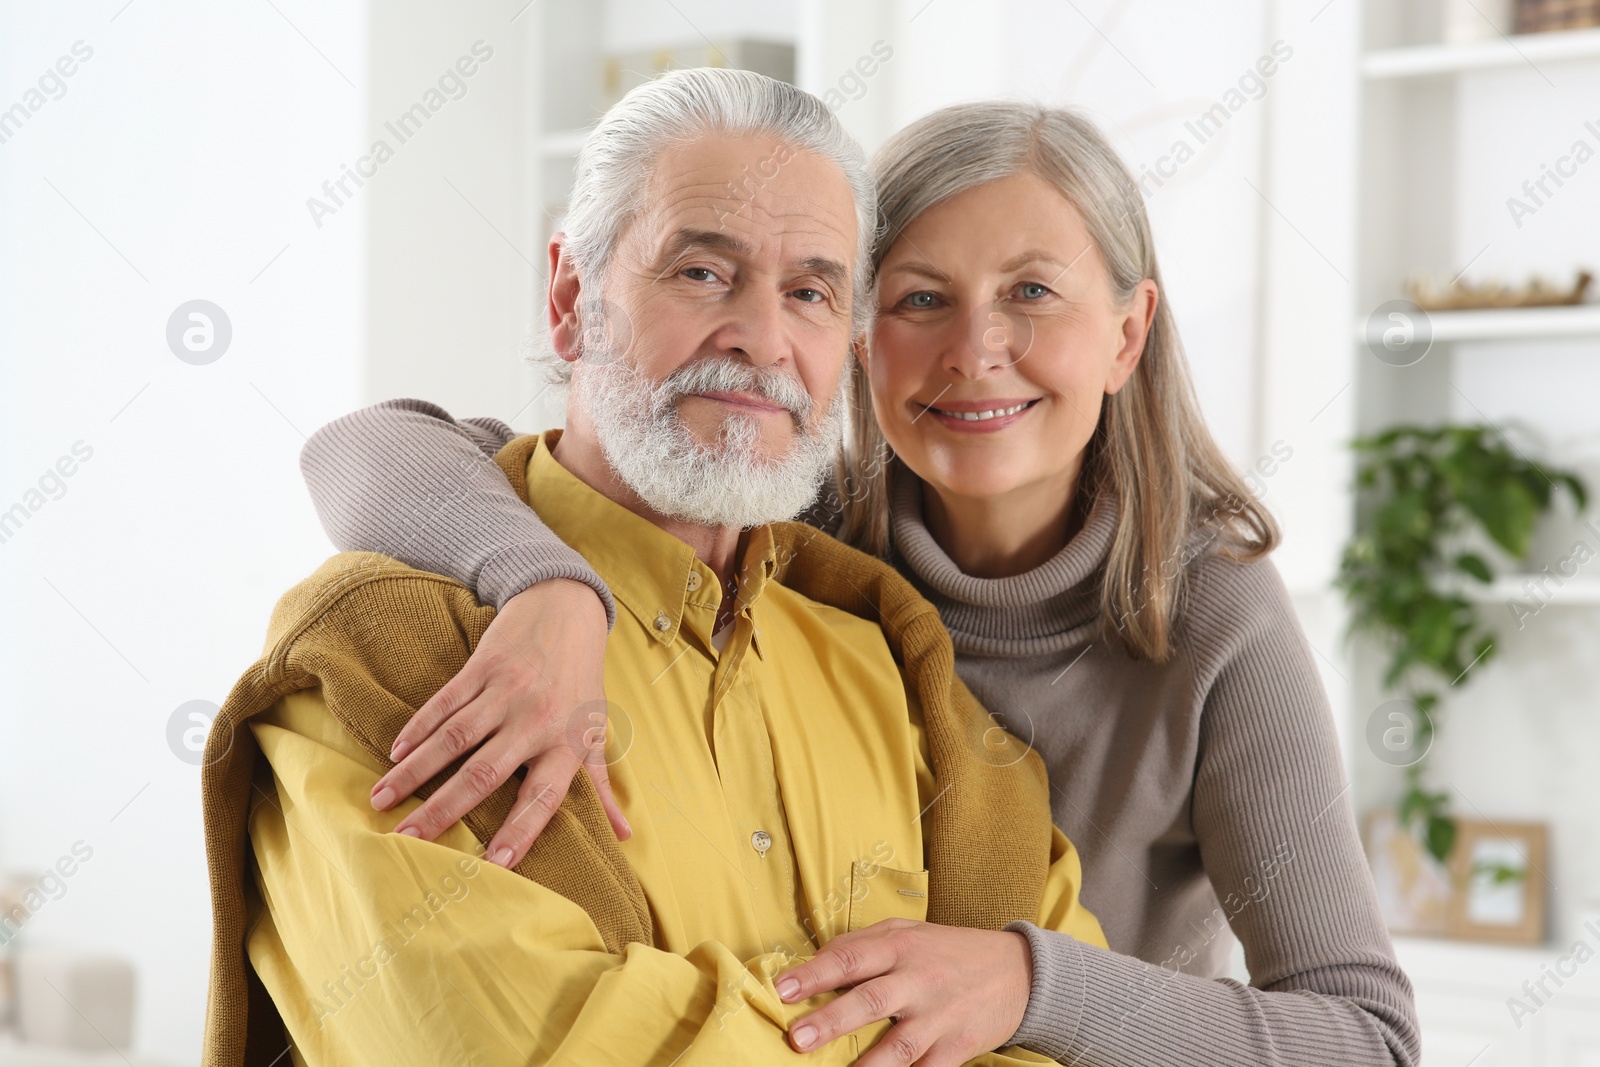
(1498, 881)
(1414, 889)
(1491, 889)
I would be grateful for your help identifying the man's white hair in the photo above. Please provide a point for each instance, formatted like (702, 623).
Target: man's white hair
(615, 164)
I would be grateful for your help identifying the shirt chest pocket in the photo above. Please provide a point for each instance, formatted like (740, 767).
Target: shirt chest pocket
(878, 892)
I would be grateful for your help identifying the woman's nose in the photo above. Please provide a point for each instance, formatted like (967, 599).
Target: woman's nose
(985, 337)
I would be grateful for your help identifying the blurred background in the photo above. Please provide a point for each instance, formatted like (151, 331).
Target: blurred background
(222, 224)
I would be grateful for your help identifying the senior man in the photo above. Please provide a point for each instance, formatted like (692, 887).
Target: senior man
(786, 734)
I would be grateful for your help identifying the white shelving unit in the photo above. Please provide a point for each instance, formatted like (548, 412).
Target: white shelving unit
(1464, 993)
(1431, 115)
(1582, 320)
(1574, 592)
(1415, 127)
(1435, 60)
(1529, 324)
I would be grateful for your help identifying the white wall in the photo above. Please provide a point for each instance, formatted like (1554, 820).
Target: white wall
(455, 276)
(176, 166)
(645, 25)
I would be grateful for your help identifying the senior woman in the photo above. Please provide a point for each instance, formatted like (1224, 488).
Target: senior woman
(1033, 459)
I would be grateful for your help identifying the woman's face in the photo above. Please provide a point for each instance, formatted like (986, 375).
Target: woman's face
(997, 337)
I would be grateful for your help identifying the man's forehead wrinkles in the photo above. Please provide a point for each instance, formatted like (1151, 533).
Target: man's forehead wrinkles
(780, 219)
(714, 180)
(752, 230)
(792, 210)
(807, 224)
(685, 185)
(754, 162)
(687, 237)
(746, 216)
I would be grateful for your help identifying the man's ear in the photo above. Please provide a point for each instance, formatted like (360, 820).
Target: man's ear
(561, 303)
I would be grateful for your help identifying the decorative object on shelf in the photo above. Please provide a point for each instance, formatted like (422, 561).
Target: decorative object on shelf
(1541, 16)
(1466, 296)
(1413, 886)
(1498, 881)
(624, 72)
(1491, 886)
(1470, 21)
(1422, 496)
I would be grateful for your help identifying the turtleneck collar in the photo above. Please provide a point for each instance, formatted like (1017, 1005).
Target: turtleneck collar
(1051, 607)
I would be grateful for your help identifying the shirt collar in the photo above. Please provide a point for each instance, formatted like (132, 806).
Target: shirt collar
(651, 573)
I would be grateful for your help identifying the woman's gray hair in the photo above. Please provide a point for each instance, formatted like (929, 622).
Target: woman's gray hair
(615, 164)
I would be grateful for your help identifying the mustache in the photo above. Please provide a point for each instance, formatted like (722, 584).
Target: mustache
(729, 375)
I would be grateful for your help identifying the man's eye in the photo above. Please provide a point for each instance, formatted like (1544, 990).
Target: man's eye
(810, 296)
(699, 274)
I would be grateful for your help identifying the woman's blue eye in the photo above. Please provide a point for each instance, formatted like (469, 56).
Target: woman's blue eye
(1033, 290)
(920, 300)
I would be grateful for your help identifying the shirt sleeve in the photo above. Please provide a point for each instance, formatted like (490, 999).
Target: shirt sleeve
(405, 479)
(379, 947)
(1280, 845)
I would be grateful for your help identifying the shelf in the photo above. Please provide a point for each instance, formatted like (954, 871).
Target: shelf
(1444, 59)
(1577, 591)
(1582, 320)
(563, 144)
(1449, 964)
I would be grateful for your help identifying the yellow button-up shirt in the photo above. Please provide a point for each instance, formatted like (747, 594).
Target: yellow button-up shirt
(776, 789)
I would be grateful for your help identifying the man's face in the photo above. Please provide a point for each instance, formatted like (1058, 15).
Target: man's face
(713, 378)
(744, 252)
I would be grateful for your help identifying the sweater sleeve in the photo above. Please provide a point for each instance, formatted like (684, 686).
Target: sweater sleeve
(1279, 842)
(405, 479)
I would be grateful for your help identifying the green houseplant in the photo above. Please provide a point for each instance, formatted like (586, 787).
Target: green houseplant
(1423, 495)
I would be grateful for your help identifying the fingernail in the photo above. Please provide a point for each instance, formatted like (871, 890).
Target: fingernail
(804, 1036)
(501, 857)
(383, 798)
(398, 752)
(788, 988)
(410, 831)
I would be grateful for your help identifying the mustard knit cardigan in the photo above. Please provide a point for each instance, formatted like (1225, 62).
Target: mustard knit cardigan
(380, 638)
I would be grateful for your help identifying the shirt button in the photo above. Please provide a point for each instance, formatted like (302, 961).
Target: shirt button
(761, 841)
(694, 580)
(663, 623)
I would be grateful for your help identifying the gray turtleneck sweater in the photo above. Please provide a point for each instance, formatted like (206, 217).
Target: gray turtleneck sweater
(1206, 794)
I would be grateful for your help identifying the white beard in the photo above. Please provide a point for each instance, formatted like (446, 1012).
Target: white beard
(727, 482)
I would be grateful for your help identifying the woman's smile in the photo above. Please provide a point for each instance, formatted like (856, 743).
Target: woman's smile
(975, 416)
